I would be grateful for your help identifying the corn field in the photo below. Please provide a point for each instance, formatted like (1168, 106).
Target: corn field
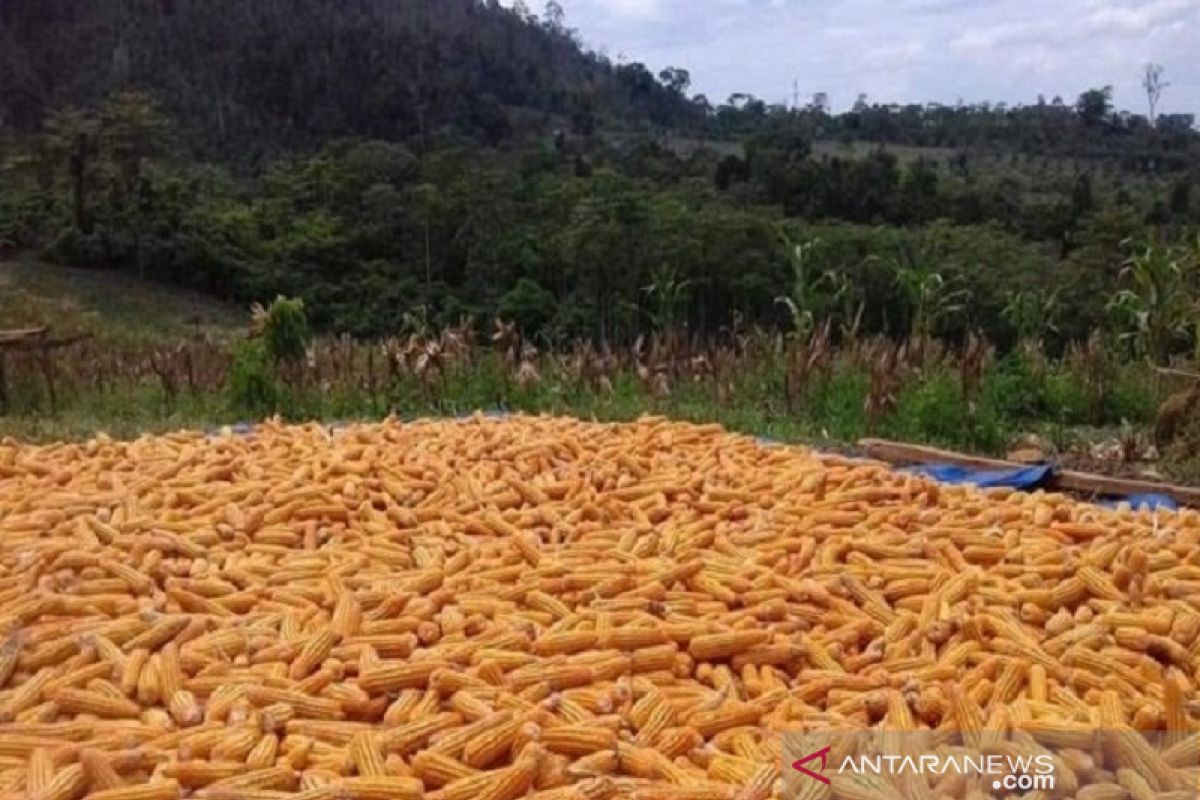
(661, 364)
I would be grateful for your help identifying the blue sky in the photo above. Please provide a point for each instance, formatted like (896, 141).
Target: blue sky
(906, 50)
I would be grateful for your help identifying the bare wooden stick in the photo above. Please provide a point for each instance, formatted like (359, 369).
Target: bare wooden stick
(1084, 482)
(1178, 373)
(21, 334)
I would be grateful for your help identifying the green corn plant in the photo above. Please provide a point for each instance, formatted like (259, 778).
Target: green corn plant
(668, 295)
(804, 297)
(931, 298)
(1156, 309)
(844, 295)
(1033, 315)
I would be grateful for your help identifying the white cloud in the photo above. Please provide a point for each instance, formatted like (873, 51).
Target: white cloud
(1003, 35)
(636, 9)
(1140, 18)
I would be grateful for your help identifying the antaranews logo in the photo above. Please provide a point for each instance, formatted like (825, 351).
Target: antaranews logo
(822, 754)
(1005, 771)
(1068, 761)
(877, 764)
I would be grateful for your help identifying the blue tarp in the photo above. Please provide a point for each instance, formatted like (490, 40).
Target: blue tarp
(1027, 479)
(1150, 501)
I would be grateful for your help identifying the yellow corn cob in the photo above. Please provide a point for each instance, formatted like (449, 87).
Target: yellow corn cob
(403, 675)
(68, 782)
(264, 753)
(99, 771)
(184, 708)
(156, 790)
(578, 740)
(40, 771)
(192, 774)
(1102, 791)
(234, 745)
(438, 769)
(102, 705)
(368, 759)
(315, 650)
(306, 705)
(487, 746)
(712, 647)
(381, 787)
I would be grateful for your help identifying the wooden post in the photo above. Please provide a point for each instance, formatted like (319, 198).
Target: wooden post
(48, 373)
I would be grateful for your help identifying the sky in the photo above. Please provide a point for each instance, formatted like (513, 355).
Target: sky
(906, 50)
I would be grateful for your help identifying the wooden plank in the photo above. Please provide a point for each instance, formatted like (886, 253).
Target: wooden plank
(44, 345)
(21, 334)
(1105, 485)
(1178, 373)
(901, 453)
(1084, 482)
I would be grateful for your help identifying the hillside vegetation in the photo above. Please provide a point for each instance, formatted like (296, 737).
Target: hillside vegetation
(111, 307)
(244, 79)
(388, 161)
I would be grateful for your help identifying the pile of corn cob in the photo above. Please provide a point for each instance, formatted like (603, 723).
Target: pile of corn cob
(495, 609)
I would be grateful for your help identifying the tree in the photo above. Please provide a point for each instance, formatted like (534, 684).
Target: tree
(554, 16)
(675, 80)
(425, 198)
(71, 136)
(528, 305)
(1082, 199)
(1094, 105)
(1153, 83)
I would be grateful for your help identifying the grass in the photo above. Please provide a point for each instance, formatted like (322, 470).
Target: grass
(108, 305)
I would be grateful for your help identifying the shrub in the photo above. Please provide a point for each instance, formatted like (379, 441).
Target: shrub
(253, 387)
(528, 305)
(934, 410)
(285, 330)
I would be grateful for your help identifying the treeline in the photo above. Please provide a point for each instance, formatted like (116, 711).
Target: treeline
(572, 242)
(1089, 127)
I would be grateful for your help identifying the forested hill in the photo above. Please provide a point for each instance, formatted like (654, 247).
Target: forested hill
(395, 164)
(241, 75)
